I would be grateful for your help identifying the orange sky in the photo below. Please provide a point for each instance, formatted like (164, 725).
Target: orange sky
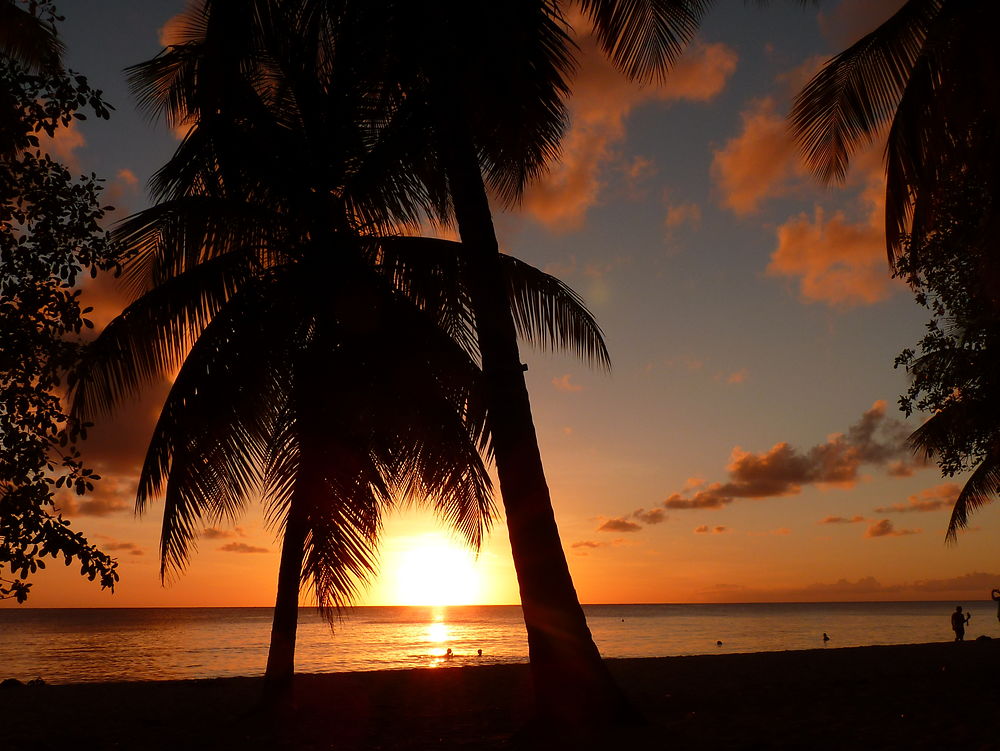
(746, 446)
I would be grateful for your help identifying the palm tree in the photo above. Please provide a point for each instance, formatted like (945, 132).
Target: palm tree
(263, 252)
(928, 74)
(487, 85)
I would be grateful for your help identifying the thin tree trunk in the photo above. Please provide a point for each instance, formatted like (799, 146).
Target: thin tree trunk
(281, 654)
(572, 683)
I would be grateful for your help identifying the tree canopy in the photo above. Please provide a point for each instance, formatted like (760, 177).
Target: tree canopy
(50, 233)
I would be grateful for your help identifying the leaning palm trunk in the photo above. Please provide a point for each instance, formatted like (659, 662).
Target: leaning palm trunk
(284, 626)
(572, 684)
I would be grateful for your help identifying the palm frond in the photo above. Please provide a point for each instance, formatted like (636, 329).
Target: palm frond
(210, 442)
(549, 314)
(643, 38)
(173, 237)
(152, 336)
(856, 93)
(980, 489)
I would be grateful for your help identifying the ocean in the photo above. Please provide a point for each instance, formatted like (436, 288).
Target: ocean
(142, 644)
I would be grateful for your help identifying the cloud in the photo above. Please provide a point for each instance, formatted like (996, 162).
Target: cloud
(128, 177)
(62, 145)
(842, 520)
(704, 529)
(131, 547)
(601, 103)
(653, 516)
(242, 547)
(874, 440)
(760, 163)
(563, 383)
(930, 499)
(885, 528)
(683, 213)
(214, 533)
(636, 174)
(111, 495)
(619, 524)
(587, 544)
(737, 376)
(966, 586)
(835, 259)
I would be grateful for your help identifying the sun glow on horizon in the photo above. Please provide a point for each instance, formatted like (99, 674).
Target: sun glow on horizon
(436, 571)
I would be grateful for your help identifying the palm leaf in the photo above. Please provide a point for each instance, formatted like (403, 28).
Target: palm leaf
(980, 489)
(857, 92)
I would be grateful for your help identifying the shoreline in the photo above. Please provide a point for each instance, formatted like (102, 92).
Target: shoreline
(894, 696)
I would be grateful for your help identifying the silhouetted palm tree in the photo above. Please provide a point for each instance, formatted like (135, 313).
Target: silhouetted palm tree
(487, 84)
(929, 75)
(267, 216)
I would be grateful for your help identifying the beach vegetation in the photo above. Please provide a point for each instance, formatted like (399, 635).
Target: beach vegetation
(954, 367)
(50, 236)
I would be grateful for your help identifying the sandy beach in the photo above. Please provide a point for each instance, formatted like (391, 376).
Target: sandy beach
(913, 696)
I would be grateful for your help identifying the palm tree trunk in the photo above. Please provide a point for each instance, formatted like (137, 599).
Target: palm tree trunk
(572, 684)
(281, 654)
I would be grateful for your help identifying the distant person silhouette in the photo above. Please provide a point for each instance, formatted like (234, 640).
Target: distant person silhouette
(718, 643)
(449, 654)
(825, 638)
(479, 652)
(958, 621)
(995, 594)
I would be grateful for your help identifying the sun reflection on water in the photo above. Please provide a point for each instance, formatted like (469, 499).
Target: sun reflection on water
(438, 634)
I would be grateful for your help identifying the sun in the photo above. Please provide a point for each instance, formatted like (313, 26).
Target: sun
(433, 570)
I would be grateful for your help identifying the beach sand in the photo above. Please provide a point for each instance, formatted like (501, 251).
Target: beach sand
(925, 696)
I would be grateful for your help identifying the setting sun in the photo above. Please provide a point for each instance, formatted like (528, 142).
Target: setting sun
(436, 571)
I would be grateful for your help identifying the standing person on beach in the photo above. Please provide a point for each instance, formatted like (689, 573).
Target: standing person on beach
(995, 594)
(958, 621)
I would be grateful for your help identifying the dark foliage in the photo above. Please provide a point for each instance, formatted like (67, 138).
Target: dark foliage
(955, 369)
(49, 234)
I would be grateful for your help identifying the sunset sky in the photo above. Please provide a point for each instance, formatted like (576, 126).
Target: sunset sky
(746, 446)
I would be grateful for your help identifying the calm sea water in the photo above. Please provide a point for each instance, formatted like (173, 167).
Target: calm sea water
(73, 646)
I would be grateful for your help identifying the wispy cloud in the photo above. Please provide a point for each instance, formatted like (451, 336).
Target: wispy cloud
(565, 383)
(885, 528)
(930, 499)
(602, 101)
(242, 547)
(875, 440)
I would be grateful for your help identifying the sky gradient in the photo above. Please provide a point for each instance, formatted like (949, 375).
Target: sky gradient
(746, 445)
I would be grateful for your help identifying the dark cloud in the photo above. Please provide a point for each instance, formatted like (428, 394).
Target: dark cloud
(653, 516)
(619, 524)
(214, 533)
(704, 529)
(885, 528)
(586, 544)
(242, 547)
(842, 520)
(110, 495)
(875, 440)
(929, 499)
(967, 586)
